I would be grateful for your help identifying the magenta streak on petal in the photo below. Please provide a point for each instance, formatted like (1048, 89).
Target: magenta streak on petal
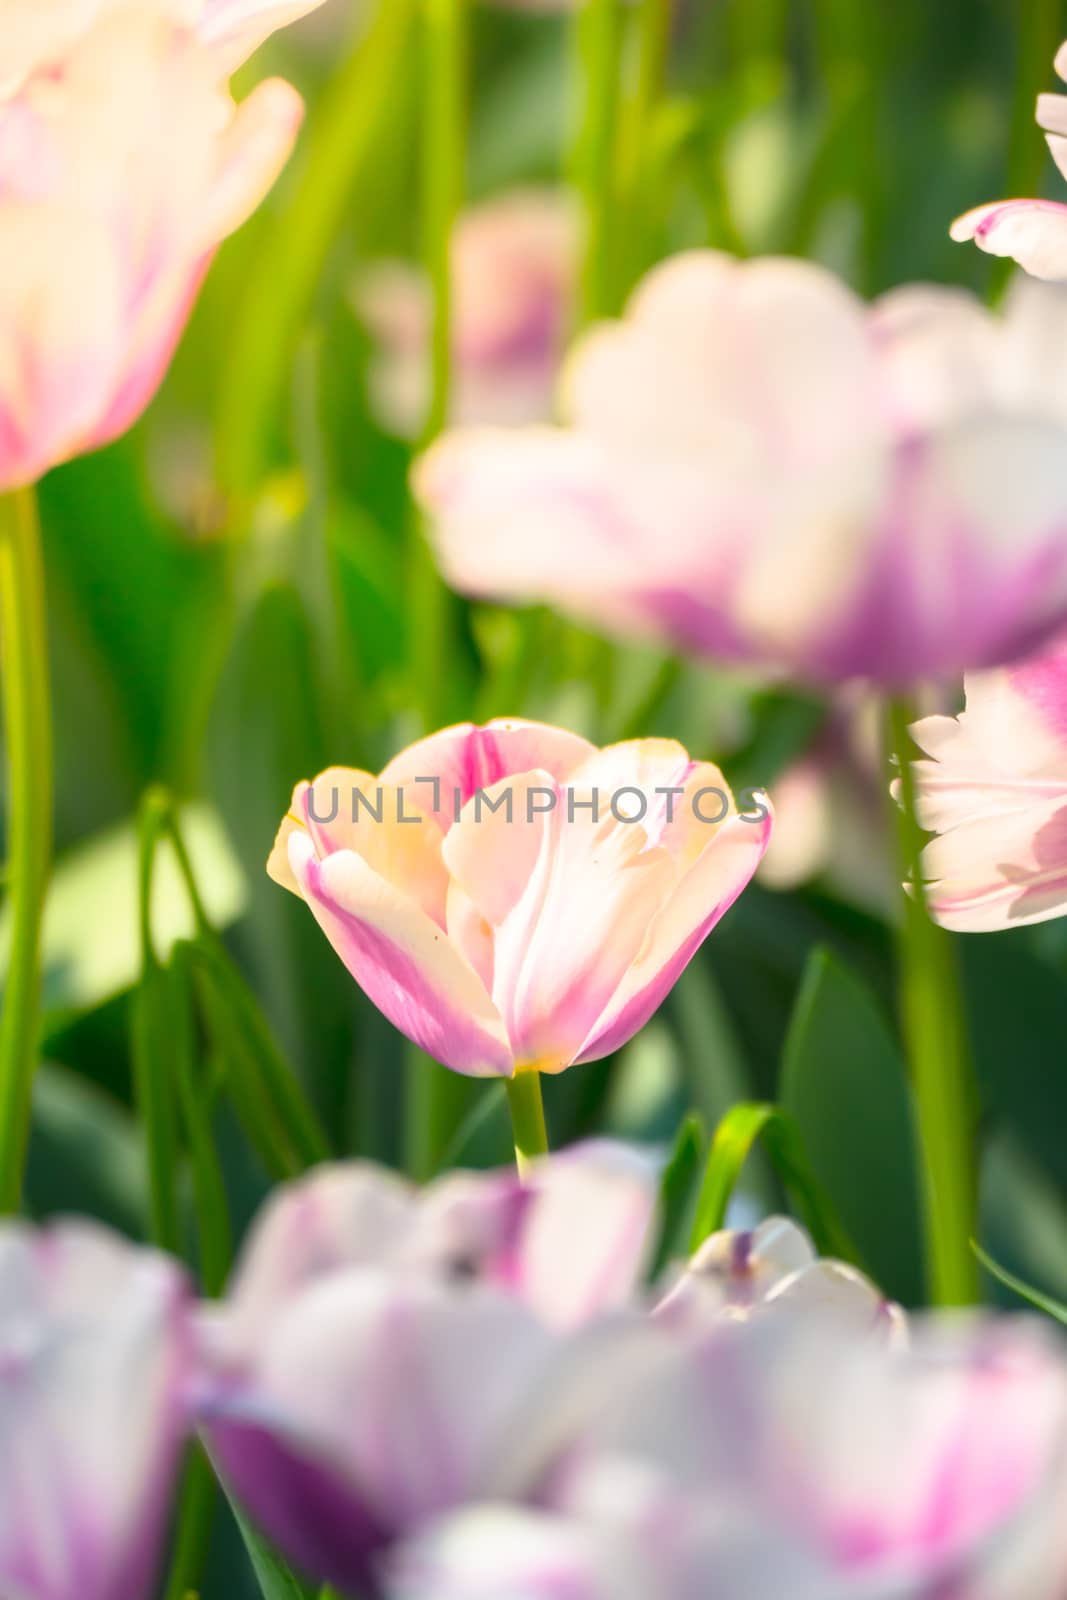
(1043, 683)
(320, 1522)
(637, 1010)
(400, 989)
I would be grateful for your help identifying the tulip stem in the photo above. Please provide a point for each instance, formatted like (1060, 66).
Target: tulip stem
(934, 1026)
(28, 739)
(527, 1119)
(600, 40)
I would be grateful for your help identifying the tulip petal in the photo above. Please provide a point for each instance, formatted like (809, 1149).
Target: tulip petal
(402, 961)
(1031, 232)
(465, 759)
(569, 896)
(238, 27)
(703, 896)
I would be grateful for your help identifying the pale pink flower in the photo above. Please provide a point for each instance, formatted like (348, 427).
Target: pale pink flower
(571, 1240)
(514, 263)
(38, 35)
(513, 898)
(1031, 232)
(994, 791)
(773, 1270)
(95, 1357)
(122, 167)
(758, 466)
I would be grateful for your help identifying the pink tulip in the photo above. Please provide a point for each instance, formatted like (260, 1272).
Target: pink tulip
(757, 466)
(1031, 232)
(511, 897)
(123, 163)
(95, 1350)
(514, 264)
(994, 790)
(39, 35)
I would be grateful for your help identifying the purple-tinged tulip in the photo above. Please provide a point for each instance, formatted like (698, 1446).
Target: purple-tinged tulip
(775, 1270)
(374, 1401)
(571, 1241)
(514, 899)
(936, 1468)
(757, 466)
(994, 791)
(1031, 232)
(95, 1353)
(514, 262)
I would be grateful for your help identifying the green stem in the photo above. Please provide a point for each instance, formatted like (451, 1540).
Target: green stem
(600, 38)
(527, 1119)
(935, 1038)
(196, 1513)
(28, 738)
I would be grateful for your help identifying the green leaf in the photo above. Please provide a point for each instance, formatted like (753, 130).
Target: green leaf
(677, 1188)
(277, 1580)
(152, 1025)
(734, 1140)
(843, 1083)
(1043, 1302)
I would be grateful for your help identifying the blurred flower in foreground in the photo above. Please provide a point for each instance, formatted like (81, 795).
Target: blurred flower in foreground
(775, 1269)
(571, 1241)
(94, 1357)
(372, 1401)
(491, 1317)
(758, 466)
(514, 265)
(123, 164)
(886, 1479)
(937, 1468)
(994, 790)
(1031, 232)
(514, 899)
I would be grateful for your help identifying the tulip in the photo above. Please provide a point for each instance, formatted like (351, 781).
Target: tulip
(125, 162)
(372, 1401)
(994, 791)
(571, 1243)
(936, 1468)
(513, 899)
(1031, 232)
(38, 34)
(95, 1348)
(775, 1269)
(513, 266)
(757, 466)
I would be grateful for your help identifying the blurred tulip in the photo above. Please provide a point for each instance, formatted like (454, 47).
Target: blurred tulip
(939, 1468)
(514, 265)
(571, 1242)
(633, 1541)
(371, 1402)
(994, 790)
(776, 1269)
(1031, 232)
(94, 1358)
(123, 164)
(759, 467)
(514, 899)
